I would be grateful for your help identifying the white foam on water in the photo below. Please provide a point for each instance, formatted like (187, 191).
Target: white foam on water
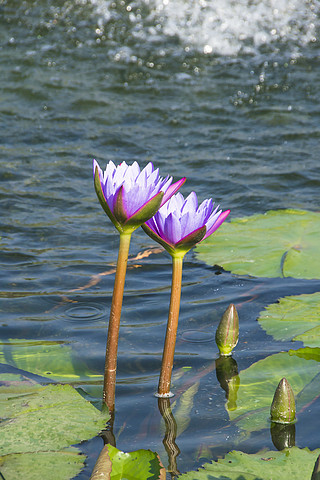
(224, 27)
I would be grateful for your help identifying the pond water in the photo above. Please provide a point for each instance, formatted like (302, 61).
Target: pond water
(224, 93)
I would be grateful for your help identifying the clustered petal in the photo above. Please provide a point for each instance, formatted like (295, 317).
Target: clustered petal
(133, 188)
(138, 186)
(179, 218)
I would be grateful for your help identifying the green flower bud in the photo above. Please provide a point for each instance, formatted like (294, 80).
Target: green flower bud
(283, 408)
(227, 333)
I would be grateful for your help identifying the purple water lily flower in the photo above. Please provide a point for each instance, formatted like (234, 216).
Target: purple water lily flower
(131, 196)
(181, 223)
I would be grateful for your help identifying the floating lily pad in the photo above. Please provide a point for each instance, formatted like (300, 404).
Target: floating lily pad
(61, 465)
(36, 418)
(294, 318)
(38, 425)
(7, 379)
(307, 353)
(259, 382)
(113, 464)
(282, 243)
(265, 465)
(45, 358)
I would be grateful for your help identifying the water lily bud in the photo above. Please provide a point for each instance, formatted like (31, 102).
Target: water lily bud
(227, 333)
(283, 408)
(283, 435)
(316, 470)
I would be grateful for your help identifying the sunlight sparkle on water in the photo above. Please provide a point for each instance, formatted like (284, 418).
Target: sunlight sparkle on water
(224, 27)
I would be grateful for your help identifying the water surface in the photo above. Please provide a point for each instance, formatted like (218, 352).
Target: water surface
(224, 93)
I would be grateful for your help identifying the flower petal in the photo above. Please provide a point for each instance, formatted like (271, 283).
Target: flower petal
(147, 211)
(191, 240)
(102, 199)
(149, 231)
(190, 203)
(119, 209)
(172, 190)
(217, 224)
(173, 227)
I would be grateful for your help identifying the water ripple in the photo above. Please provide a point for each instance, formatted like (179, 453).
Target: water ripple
(84, 313)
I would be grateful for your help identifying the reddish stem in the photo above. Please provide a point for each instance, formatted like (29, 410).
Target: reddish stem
(172, 327)
(109, 385)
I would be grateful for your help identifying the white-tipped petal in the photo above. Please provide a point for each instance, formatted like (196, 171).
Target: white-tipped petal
(182, 223)
(142, 191)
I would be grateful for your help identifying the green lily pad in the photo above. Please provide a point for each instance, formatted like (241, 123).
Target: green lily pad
(307, 353)
(36, 418)
(265, 465)
(61, 465)
(113, 464)
(46, 358)
(282, 243)
(7, 379)
(294, 318)
(259, 382)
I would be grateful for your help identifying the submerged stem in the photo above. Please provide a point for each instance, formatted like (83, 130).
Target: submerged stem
(172, 326)
(114, 323)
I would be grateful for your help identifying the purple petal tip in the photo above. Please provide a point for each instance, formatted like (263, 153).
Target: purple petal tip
(217, 224)
(172, 190)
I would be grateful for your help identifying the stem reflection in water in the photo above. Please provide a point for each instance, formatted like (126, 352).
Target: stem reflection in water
(101, 469)
(169, 440)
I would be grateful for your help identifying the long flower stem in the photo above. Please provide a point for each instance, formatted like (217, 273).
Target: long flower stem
(172, 326)
(109, 385)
